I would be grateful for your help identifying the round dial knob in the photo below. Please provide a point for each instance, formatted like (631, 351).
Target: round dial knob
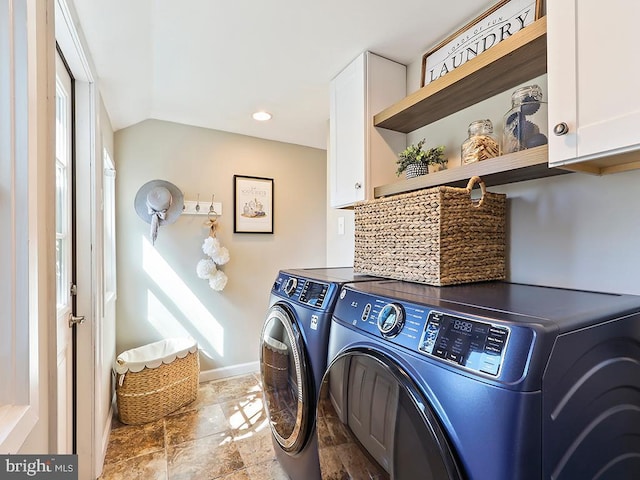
(290, 286)
(391, 320)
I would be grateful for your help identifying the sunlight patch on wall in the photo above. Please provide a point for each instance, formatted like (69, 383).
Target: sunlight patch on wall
(203, 326)
(162, 320)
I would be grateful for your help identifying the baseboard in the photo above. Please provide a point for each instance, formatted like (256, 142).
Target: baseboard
(232, 371)
(101, 455)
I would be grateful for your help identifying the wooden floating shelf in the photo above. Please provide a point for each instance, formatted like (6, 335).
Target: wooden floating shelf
(511, 62)
(511, 168)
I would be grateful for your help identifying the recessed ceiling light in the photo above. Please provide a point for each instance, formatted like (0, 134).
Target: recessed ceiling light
(262, 116)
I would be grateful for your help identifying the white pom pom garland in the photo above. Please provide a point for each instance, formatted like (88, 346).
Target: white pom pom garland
(218, 281)
(206, 268)
(210, 246)
(221, 256)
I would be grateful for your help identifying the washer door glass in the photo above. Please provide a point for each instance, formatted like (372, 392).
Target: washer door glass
(373, 422)
(285, 379)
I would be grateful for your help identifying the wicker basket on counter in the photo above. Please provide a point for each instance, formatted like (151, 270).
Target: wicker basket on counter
(156, 379)
(438, 236)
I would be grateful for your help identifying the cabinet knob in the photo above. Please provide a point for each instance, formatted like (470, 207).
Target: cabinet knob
(358, 186)
(561, 129)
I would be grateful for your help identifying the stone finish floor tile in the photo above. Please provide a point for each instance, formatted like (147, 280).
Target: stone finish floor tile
(245, 415)
(222, 435)
(152, 466)
(128, 441)
(207, 458)
(270, 470)
(255, 448)
(195, 424)
(236, 387)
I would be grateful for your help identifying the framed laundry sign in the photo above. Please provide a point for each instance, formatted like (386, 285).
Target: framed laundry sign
(253, 204)
(495, 25)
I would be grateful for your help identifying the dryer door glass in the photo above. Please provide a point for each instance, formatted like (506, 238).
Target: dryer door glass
(285, 379)
(373, 422)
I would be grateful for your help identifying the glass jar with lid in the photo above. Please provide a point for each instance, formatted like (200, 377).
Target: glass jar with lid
(525, 124)
(481, 143)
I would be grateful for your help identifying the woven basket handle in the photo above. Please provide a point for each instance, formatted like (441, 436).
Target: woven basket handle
(483, 188)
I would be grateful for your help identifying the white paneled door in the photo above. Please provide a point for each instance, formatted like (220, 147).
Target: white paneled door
(64, 258)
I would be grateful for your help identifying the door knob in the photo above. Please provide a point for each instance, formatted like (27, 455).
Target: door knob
(358, 185)
(561, 129)
(75, 320)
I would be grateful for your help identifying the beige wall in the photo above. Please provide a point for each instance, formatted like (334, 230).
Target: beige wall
(159, 293)
(340, 246)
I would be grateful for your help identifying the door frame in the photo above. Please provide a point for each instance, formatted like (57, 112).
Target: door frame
(91, 434)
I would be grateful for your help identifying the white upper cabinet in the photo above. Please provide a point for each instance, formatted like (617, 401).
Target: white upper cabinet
(593, 78)
(362, 156)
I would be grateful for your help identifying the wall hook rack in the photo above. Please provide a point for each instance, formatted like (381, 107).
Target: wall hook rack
(212, 207)
(193, 207)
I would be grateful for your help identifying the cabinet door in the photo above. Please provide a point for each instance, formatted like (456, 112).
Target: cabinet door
(361, 156)
(347, 135)
(592, 79)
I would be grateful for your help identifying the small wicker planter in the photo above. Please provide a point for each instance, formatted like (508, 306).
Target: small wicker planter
(416, 170)
(156, 379)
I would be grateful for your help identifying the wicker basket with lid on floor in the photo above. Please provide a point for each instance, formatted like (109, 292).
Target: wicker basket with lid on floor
(156, 379)
(438, 236)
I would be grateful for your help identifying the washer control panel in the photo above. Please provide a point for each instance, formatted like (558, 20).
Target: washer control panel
(475, 345)
(495, 349)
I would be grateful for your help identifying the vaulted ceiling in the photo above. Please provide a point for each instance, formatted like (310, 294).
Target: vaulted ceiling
(212, 63)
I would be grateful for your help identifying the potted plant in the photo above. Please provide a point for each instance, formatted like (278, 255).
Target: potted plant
(415, 161)
(437, 160)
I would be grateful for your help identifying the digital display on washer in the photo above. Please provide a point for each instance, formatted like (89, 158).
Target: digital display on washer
(475, 345)
(313, 293)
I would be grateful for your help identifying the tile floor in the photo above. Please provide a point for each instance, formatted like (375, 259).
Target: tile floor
(223, 434)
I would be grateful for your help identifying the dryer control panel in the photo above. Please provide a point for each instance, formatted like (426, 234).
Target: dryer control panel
(475, 345)
(302, 290)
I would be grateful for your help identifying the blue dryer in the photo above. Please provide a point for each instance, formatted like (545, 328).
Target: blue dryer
(293, 358)
(490, 381)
